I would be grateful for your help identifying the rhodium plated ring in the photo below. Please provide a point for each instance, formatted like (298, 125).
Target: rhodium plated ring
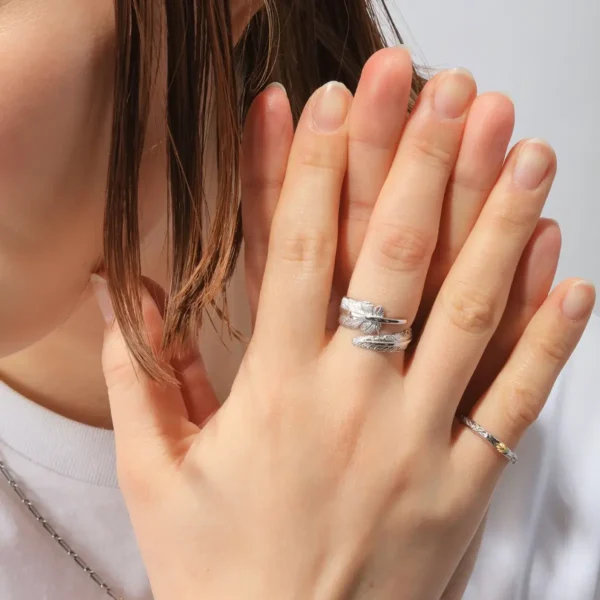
(370, 319)
(359, 314)
(393, 342)
(486, 435)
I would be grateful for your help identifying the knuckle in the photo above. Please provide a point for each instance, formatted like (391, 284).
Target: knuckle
(325, 159)
(358, 209)
(523, 407)
(471, 309)
(402, 248)
(514, 217)
(554, 349)
(509, 219)
(470, 182)
(264, 186)
(373, 143)
(305, 248)
(430, 152)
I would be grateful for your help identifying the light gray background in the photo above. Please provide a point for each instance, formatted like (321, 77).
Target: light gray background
(545, 54)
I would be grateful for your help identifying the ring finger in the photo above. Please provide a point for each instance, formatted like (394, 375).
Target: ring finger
(473, 297)
(531, 287)
(487, 134)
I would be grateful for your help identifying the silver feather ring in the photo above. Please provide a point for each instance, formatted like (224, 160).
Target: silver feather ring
(370, 319)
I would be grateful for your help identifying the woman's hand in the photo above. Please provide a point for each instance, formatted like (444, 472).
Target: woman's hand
(331, 471)
(376, 122)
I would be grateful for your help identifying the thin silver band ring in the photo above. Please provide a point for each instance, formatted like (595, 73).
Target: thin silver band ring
(393, 342)
(501, 447)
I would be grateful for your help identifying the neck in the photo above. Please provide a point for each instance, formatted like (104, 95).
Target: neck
(63, 373)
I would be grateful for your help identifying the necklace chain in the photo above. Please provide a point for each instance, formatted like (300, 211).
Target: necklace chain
(52, 533)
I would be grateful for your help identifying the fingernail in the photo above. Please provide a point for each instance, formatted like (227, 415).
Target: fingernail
(533, 164)
(579, 300)
(276, 84)
(100, 287)
(330, 107)
(453, 93)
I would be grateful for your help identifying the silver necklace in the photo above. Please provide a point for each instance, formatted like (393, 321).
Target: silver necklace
(52, 532)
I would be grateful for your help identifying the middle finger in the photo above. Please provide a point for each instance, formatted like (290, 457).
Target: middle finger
(402, 232)
(299, 271)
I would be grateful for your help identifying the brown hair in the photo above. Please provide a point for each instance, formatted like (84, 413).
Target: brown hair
(210, 83)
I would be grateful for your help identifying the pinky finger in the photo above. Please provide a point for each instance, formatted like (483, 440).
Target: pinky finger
(517, 396)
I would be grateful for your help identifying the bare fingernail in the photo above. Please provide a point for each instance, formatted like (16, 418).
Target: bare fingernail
(453, 93)
(404, 47)
(330, 107)
(277, 85)
(579, 300)
(100, 287)
(533, 164)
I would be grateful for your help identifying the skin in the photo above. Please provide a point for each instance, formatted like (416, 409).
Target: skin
(372, 144)
(296, 451)
(55, 114)
(55, 121)
(59, 124)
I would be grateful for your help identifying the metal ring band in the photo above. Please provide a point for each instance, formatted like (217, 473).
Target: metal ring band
(396, 342)
(365, 316)
(486, 435)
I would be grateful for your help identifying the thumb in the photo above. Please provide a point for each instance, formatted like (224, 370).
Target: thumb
(148, 415)
(189, 369)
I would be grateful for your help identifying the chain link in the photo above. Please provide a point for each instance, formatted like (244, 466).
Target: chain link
(52, 532)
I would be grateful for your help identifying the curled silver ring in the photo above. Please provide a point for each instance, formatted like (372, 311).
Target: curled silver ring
(486, 435)
(370, 319)
(393, 342)
(365, 316)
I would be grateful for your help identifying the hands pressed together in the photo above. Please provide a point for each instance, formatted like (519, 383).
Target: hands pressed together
(333, 472)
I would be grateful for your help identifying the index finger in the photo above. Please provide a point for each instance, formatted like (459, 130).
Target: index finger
(298, 275)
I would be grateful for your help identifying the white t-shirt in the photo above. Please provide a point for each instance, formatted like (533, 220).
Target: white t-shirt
(68, 471)
(542, 540)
